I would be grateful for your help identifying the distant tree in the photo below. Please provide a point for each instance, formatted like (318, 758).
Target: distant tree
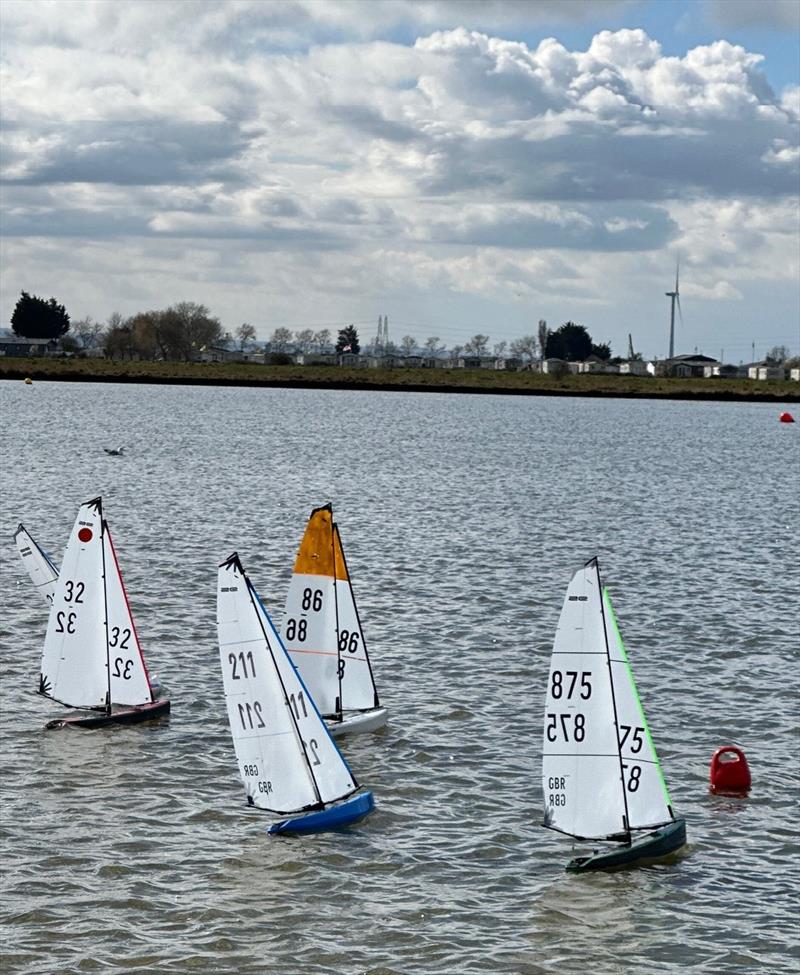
(777, 354)
(348, 340)
(322, 339)
(456, 351)
(524, 347)
(280, 339)
(477, 345)
(499, 348)
(119, 343)
(408, 343)
(35, 318)
(245, 333)
(305, 339)
(432, 345)
(145, 336)
(88, 332)
(571, 342)
(69, 343)
(542, 335)
(602, 351)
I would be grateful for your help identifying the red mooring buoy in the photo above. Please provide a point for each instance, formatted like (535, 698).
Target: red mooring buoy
(786, 418)
(730, 774)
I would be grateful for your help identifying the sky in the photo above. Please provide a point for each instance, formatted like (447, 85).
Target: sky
(460, 167)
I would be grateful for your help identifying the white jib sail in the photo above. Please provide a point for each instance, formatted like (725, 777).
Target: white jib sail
(357, 685)
(130, 683)
(287, 759)
(309, 634)
(645, 790)
(581, 763)
(39, 565)
(74, 658)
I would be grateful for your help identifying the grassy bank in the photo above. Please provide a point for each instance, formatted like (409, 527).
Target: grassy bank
(414, 380)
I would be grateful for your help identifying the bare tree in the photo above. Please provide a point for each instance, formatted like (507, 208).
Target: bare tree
(477, 345)
(499, 348)
(88, 332)
(432, 345)
(245, 333)
(322, 339)
(408, 344)
(456, 351)
(305, 339)
(280, 339)
(525, 347)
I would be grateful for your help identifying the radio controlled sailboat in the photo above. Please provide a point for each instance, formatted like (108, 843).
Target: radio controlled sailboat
(40, 566)
(323, 634)
(600, 773)
(289, 764)
(91, 658)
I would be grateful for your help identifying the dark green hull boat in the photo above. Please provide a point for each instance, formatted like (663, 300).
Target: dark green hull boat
(651, 846)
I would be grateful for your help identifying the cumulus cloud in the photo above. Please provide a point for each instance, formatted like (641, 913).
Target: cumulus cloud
(476, 162)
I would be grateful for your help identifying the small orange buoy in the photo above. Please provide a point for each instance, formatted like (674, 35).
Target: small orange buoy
(786, 418)
(730, 774)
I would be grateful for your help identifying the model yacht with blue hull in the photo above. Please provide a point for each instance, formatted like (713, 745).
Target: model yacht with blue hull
(601, 777)
(288, 761)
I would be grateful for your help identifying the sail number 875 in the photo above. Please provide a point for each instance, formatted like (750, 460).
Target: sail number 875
(564, 684)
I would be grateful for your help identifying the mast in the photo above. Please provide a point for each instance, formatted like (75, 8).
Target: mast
(339, 671)
(613, 700)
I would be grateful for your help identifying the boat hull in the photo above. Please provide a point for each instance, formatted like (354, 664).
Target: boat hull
(125, 715)
(652, 846)
(357, 722)
(337, 816)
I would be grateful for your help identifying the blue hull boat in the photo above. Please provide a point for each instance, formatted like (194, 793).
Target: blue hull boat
(337, 816)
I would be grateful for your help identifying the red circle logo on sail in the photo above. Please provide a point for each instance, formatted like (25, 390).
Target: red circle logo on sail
(85, 534)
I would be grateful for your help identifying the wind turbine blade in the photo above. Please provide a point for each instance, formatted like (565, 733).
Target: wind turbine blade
(678, 299)
(677, 272)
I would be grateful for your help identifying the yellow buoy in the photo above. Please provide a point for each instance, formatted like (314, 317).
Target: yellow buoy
(28, 381)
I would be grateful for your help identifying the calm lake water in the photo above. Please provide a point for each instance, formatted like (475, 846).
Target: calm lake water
(463, 517)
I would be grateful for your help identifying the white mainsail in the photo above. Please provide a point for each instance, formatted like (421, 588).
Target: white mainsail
(40, 567)
(581, 764)
(287, 759)
(130, 683)
(74, 659)
(600, 773)
(309, 629)
(645, 790)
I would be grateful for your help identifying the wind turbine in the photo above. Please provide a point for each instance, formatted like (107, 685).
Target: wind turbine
(675, 297)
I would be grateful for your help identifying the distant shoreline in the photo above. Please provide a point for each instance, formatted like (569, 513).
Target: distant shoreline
(473, 382)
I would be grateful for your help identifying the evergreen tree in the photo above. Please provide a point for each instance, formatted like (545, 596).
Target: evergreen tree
(35, 318)
(348, 340)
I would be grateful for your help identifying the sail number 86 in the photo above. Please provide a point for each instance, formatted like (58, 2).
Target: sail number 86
(567, 680)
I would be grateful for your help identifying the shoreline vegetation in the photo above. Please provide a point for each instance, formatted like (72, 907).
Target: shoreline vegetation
(498, 382)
